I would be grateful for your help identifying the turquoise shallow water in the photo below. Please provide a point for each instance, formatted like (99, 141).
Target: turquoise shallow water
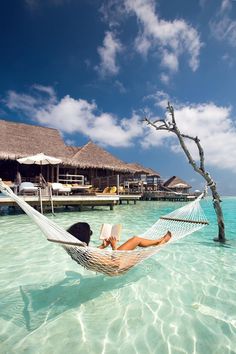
(183, 300)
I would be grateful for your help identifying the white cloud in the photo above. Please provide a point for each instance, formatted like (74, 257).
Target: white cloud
(165, 78)
(45, 89)
(154, 138)
(213, 125)
(70, 142)
(222, 27)
(170, 60)
(108, 52)
(119, 85)
(23, 103)
(72, 116)
(113, 12)
(226, 5)
(160, 99)
(31, 103)
(142, 44)
(228, 59)
(170, 38)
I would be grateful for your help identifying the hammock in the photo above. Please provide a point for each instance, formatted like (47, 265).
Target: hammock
(180, 222)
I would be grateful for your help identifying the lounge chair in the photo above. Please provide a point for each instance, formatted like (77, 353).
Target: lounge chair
(121, 190)
(8, 183)
(59, 188)
(28, 188)
(109, 190)
(113, 190)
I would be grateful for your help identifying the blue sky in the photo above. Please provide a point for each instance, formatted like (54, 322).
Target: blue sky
(93, 69)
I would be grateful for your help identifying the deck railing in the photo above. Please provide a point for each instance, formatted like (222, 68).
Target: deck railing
(70, 179)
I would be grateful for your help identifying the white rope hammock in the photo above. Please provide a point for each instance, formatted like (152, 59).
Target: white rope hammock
(180, 222)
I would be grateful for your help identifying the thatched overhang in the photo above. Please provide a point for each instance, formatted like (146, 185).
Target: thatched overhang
(20, 140)
(176, 182)
(93, 156)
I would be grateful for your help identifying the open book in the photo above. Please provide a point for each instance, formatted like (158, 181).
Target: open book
(108, 230)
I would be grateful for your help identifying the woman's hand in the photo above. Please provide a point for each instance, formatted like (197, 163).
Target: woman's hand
(105, 243)
(113, 242)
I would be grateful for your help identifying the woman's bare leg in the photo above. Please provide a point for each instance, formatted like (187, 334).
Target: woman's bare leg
(136, 241)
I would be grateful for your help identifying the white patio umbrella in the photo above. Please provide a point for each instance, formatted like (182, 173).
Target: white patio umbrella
(39, 159)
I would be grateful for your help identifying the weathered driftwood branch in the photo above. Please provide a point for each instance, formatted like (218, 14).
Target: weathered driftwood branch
(172, 127)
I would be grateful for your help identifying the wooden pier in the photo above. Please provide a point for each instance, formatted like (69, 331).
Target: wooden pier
(88, 200)
(65, 201)
(167, 196)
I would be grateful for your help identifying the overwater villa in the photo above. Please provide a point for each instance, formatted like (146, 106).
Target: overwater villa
(89, 164)
(177, 185)
(147, 178)
(84, 169)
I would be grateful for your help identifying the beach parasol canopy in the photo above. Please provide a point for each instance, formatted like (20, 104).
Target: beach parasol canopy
(39, 159)
(180, 185)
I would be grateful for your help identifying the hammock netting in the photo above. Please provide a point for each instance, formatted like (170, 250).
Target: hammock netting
(180, 222)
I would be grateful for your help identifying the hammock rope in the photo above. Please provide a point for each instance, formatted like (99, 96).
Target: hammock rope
(180, 222)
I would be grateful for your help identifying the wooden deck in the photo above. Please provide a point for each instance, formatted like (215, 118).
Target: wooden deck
(59, 201)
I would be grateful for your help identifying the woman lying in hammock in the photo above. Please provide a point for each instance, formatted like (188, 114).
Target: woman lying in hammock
(108, 263)
(82, 231)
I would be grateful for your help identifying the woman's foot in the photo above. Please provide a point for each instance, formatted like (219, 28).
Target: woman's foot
(166, 238)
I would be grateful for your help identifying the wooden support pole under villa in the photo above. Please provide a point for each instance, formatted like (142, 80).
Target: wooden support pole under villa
(129, 197)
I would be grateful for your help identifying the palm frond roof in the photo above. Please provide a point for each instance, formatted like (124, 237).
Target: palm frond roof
(93, 156)
(176, 182)
(20, 140)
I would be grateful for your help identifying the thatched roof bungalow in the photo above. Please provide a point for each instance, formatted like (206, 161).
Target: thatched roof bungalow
(20, 140)
(176, 184)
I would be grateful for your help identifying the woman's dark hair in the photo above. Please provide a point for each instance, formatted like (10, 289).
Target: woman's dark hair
(81, 230)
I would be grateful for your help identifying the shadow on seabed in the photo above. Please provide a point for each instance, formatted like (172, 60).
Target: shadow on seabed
(30, 306)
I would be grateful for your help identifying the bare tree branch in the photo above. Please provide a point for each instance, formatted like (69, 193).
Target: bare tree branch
(163, 126)
(173, 128)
